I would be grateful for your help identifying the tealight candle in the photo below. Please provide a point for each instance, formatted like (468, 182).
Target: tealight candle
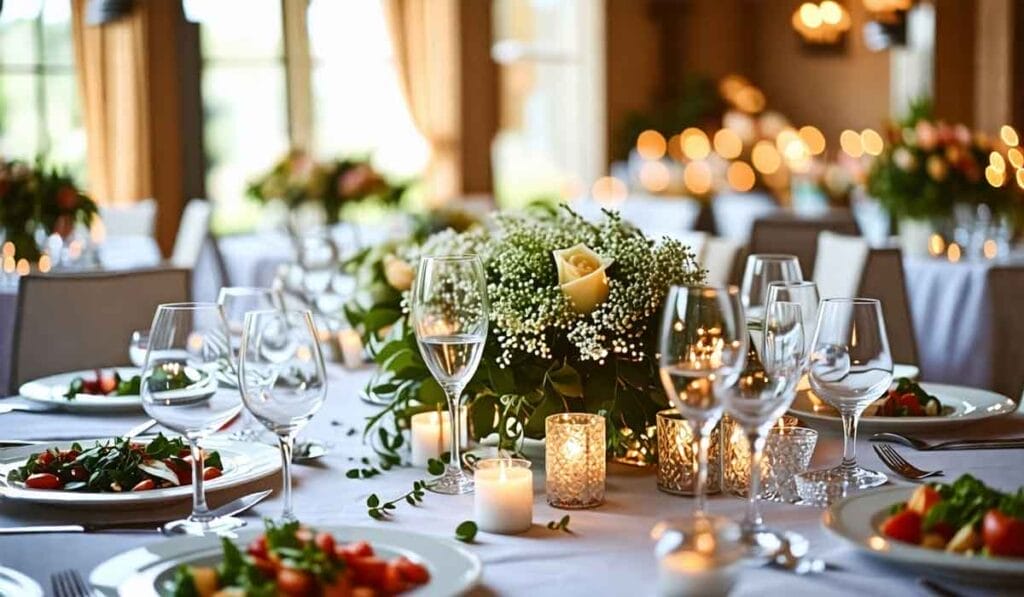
(351, 348)
(699, 557)
(575, 460)
(430, 433)
(503, 496)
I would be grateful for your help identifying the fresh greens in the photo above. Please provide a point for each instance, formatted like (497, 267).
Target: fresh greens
(378, 510)
(560, 525)
(966, 500)
(466, 531)
(114, 385)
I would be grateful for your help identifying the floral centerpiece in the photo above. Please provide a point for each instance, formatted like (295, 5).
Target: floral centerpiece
(36, 198)
(574, 308)
(298, 179)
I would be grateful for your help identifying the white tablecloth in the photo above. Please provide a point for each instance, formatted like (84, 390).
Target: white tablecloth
(607, 553)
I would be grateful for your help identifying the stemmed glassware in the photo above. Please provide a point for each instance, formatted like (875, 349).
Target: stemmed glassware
(761, 270)
(188, 353)
(758, 399)
(449, 317)
(850, 366)
(282, 378)
(804, 294)
(703, 346)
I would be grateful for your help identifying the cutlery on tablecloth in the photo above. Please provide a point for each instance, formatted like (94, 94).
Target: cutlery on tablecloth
(139, 429)
(231, 508)
(6, 408)
(934, 588)
(133, 432)
(69, 583)
(958, 444)
(899, 465)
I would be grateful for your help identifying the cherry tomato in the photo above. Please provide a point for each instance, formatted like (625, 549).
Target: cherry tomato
(68, 456)
(923, 499)
(944, 529)
(43, 481)
(304, 535)
(182, 470)
(360, 549)
(393, 582)
(144, 485)
(266, 566)
(325, 542)
(211, 472)
(368, 571)
(78, 473)
(258, 547)
(341, 587)
(412, 571)
(1003, 534)
(45, 459)
(903, 526)
(107, 384)
(295, 582)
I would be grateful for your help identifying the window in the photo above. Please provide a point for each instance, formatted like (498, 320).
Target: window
(40, 109)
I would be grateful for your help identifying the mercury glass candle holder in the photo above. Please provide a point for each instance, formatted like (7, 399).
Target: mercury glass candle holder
(575, 460)
(785, 450)
(677, 456)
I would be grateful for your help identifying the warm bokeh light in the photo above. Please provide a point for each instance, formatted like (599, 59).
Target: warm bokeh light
(697, 177)
(830, 12)
(1020, 177)
(8, 250)
(994, 177)
(651, 145)
(871, 142)
(810, 15)
(695, 144)
(990, 249)
(813, 138)
(23, 267)
(765, 157)
(741, 176)
(850, 141)
(9, 265)
(609, 190)
(750, 99)
(1009, 135)
(728, 144)
(675, 148)
(936, 245)
(995, 159)
(1015, 157)
(654, 176)
(953, 252)
(44, 264)
(821, 23)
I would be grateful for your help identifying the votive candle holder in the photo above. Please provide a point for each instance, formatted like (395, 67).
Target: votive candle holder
(788, 451)
(677, 456)
(503, 495)
(575, 460)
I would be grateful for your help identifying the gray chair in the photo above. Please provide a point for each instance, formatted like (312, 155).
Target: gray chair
(1006, 291)
(67, 322)
(792, 235)
(883, 279)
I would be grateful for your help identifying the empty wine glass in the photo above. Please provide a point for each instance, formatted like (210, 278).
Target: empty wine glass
(758, 399)
(703, 346)
(850, 366)
(449, 317)
(804, 294)
(188, 352)
(282, 377)
(761, 270)
(137, 347)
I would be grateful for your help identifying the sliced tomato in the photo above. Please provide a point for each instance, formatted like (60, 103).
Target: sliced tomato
(324, 542)
(107, 384)
(78, 473)
(411, 571)
(43, 481)
(211, 472)
(903, 526)
(368, 571)
(258, 547)
(45, 459)
(923, 499)
(295, 582)
(68, 455)
(361, 549)
(1003, 535)
(393, 582)
(144, 485)
(266, 566)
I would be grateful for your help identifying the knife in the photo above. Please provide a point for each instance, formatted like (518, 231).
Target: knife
(152, 526)
(133, 432)
(6, 408)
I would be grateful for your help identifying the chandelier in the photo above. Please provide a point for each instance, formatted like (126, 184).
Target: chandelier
(823, 23)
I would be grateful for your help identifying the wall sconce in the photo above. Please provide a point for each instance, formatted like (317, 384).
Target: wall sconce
(821, 23)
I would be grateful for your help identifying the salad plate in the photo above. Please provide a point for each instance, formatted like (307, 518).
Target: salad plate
(858, 520)
(13, 582)
(52, 391)
(243, 462)
(959, 406)
(145, 571)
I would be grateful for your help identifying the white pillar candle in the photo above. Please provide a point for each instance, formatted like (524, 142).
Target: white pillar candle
(351, 348)
(430, 433)
(503, 495)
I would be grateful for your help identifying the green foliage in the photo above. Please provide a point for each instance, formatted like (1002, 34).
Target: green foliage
(378, 510)
(561, 524)
(466, 531)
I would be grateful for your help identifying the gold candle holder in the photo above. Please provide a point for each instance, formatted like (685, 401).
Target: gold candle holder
(736, 465)
(575, 460)
(677, 456)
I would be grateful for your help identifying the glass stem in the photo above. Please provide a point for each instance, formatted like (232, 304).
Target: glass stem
(703, 440)
(200, 512)
(757, 442)
(454, 456)
(850, 420)
(287, 444)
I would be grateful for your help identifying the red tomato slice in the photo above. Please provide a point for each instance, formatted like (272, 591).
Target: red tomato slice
(1003, 534)
(903, 526)
(43, 481)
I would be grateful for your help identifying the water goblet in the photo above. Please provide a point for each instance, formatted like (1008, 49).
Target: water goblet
(137, 347)
(703, 345)
(188, 353)
(761, 270)
(282, 377)
(804, 294)
(449, 317)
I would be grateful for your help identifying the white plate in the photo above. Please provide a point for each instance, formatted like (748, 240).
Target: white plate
(143, 571)
(964, 406)
(244, 462)
(50, 390)
(856, 519)
(13, 582)
(909, 371)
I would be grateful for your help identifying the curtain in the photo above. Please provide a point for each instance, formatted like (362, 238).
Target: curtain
(425, 35)
(112, 83)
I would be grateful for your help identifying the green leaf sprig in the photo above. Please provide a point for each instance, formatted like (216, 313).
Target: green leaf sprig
(560, 525)
(378, 510)
(466, 531)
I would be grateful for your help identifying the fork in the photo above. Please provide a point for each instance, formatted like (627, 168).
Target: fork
(892, 459)
(69, 583)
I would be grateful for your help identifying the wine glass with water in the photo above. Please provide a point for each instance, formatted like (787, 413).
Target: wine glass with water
(703, 346)
(449, 317)
(761, 270)
(188, 353)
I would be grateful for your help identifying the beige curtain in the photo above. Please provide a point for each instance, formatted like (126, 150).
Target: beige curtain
(112, 81)
(425, 34)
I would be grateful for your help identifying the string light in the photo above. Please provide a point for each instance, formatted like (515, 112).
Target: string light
(813, 138)
(697, 177)
(741, 176)
(996, 161)
(695, 144)
(1020, 177)
(990, 249)
(871, 142)
(953, 252)
(23, 267)
(1015, 157)
(765, 157)
(651, 145)
(1009, 135)
(851, 143)
(44, 264)
(675, 148)
(936, 245)
(994, 177)
(728, 144)
(822, 23)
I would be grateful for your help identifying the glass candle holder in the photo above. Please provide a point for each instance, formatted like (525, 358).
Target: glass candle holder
(429, 435)
(575, 460)
(677, 456)
(783, 446)
(503, 500)
(698, 557)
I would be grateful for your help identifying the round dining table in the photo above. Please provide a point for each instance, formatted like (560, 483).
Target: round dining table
(607, 551)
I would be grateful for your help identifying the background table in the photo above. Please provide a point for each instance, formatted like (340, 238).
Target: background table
(608, 552)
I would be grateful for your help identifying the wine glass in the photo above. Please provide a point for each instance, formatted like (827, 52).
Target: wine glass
(804, 294)
(188, 353)
(761, 270)
(703, 346)
(449, 317)
(758, 399)
(282, 377)
(849, 367)
(137, 347)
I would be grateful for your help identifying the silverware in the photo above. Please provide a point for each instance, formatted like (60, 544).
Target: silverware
(934, 588)
(899, 465)
(150, 526)
(792, 556)
(308, 451)
(6, 408)
(69, 583)
(133, 432)
(139, 429)
(960, 444)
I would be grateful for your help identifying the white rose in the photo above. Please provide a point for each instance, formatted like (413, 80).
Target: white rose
(581, 276)
(398, 273)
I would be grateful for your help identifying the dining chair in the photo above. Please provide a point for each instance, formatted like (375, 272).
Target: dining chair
(883, 279)
(1006, 292)
(658, 216)
(735, 213)
(129, 219)
(720, 259)
(838, 264)
(193, 232)
(794, 235)
(67, 322)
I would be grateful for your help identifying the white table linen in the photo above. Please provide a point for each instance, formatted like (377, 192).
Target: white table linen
(608, 552)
